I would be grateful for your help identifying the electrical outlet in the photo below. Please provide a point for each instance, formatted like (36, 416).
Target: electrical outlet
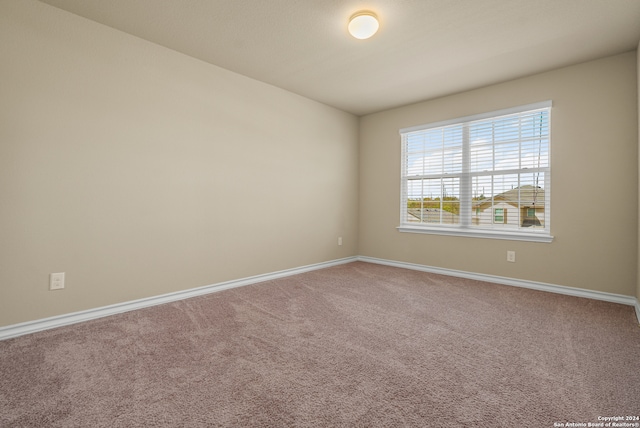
(56, 281)
(339, 240)
(511, 256)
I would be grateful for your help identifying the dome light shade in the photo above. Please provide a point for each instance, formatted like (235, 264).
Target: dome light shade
(363, 25)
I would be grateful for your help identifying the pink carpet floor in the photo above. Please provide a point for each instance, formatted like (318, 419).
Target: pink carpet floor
(357, 345)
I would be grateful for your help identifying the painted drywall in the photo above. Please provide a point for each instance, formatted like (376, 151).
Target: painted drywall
(140, 171)
(638, 107)
(594, 181)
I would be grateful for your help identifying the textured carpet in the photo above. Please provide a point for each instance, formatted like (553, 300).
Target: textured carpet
(354, 345)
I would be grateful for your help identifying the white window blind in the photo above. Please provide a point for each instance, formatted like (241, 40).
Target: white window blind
(485, 175)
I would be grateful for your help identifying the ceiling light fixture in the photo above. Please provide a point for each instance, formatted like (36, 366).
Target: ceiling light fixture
(363, 25)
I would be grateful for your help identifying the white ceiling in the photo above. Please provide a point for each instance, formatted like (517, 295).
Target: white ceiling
(424, 48)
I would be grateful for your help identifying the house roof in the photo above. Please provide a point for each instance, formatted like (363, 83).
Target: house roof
(434, 215)
(529, 196)
(423, 50)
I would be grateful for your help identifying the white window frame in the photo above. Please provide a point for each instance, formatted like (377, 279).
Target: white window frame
(464, 228)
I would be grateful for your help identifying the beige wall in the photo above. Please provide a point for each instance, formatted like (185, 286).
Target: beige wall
(638, 106)
(594, 173)
(140, 171)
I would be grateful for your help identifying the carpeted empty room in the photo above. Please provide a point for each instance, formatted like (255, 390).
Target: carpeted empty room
(358, 344)
(287, 213)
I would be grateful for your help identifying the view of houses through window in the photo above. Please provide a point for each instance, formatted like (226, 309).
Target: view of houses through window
(487, 172)
(518, 207)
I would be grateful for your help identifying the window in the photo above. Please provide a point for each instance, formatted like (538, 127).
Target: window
(463, 176)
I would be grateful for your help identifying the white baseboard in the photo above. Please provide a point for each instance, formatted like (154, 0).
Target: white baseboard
(76, 317)
(15, 330)
(541, 286)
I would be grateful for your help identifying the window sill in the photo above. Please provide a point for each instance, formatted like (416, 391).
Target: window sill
(479, 233)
